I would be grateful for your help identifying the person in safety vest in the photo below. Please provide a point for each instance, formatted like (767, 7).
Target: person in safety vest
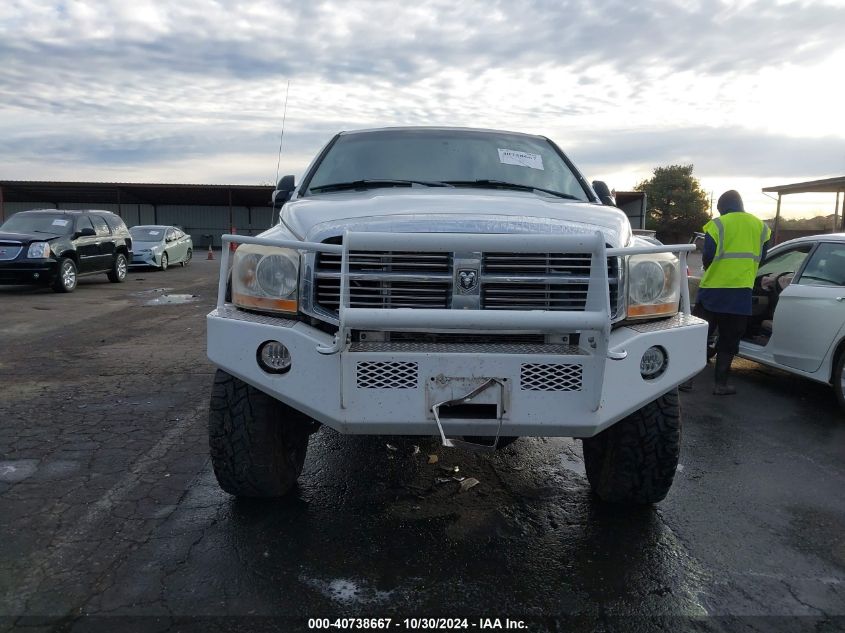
(734, 245)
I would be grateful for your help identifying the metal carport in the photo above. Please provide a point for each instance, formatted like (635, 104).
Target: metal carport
(211, 209)
(826, 185)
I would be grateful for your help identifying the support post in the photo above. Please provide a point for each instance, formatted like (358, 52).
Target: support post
(231, 214)
(836, 213)
(118, 203)
(842, 227)
(777, 221)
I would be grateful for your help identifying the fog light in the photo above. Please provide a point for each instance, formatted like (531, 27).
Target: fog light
(274, 358)
(653, 363)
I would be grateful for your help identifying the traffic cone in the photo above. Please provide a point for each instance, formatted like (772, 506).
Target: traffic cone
(210, 254)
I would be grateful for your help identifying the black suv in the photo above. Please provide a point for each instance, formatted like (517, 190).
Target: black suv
(52, 246)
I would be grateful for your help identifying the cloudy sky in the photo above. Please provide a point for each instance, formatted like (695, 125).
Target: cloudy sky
(751, 93)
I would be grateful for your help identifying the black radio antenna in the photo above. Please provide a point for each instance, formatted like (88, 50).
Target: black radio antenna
(282, 136)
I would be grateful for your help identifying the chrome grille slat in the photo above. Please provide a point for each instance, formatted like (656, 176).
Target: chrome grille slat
(531, 291)
(363, 281)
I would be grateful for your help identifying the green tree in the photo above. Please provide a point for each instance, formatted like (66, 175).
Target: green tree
(677, 206)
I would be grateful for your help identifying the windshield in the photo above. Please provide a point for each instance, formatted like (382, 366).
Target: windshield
(461, 157)
(48, 223)
(147, 233)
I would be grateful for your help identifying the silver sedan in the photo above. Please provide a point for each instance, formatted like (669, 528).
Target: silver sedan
(160, 246)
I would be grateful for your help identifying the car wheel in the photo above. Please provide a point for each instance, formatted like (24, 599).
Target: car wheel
(66, 277)
(188, 257)
(165, 261)
(839, 378)
(119, 267)
(634, 461)
(257, 444)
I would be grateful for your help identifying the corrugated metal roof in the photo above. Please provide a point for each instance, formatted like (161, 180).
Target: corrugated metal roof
(136, 193)
(826, 185)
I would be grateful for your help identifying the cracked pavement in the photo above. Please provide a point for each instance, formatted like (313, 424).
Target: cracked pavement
(110, 517)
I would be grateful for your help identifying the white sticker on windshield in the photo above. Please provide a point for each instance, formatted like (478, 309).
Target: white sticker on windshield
(523, 159)
(154, 232)
(60, 222)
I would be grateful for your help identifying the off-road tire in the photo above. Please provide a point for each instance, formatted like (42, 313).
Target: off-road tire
(838, 377)
(63, 282)
(119, 269)
(257, 444)
(634, 461)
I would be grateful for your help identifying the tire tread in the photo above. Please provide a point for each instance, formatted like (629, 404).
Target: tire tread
(257, 444)
(634, 461)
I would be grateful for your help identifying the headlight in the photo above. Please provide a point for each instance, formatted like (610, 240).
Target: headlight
(265, 278)
(653, 285)
(38, 250)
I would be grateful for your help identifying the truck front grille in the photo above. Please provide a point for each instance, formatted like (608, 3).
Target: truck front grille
(541, 281)
(506, 281)
(386, 280)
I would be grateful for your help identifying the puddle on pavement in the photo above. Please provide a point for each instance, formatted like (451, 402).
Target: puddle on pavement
(163, 297)
(176, 299)
(151, 291)
(346, 591)
(15, 470)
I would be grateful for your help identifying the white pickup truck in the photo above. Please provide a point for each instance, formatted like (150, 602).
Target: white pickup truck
(464, 283)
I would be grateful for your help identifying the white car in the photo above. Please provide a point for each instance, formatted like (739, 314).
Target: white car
(798, 321)
(160, 246)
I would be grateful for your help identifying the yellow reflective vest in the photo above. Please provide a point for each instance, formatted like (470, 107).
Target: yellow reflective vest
(739, 238)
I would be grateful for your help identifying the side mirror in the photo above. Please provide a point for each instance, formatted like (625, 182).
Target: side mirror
(698, 240)
(86, 231)
(283, 192)
(603, 192)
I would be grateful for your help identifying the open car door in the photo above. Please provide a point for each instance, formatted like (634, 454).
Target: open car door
(810, 311)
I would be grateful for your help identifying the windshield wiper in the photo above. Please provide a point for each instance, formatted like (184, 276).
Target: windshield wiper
(508, 185)
(376, 183)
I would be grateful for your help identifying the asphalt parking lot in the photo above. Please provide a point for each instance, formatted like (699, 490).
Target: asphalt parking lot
(111, 519)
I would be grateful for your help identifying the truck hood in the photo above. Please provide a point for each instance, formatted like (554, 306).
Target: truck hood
(450, 211)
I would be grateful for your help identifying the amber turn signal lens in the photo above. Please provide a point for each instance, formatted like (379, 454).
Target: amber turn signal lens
(289, 306)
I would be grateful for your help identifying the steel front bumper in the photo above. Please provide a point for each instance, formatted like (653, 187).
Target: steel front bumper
(390, 388)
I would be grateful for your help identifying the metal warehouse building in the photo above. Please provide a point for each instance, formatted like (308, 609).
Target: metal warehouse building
(203, 211)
